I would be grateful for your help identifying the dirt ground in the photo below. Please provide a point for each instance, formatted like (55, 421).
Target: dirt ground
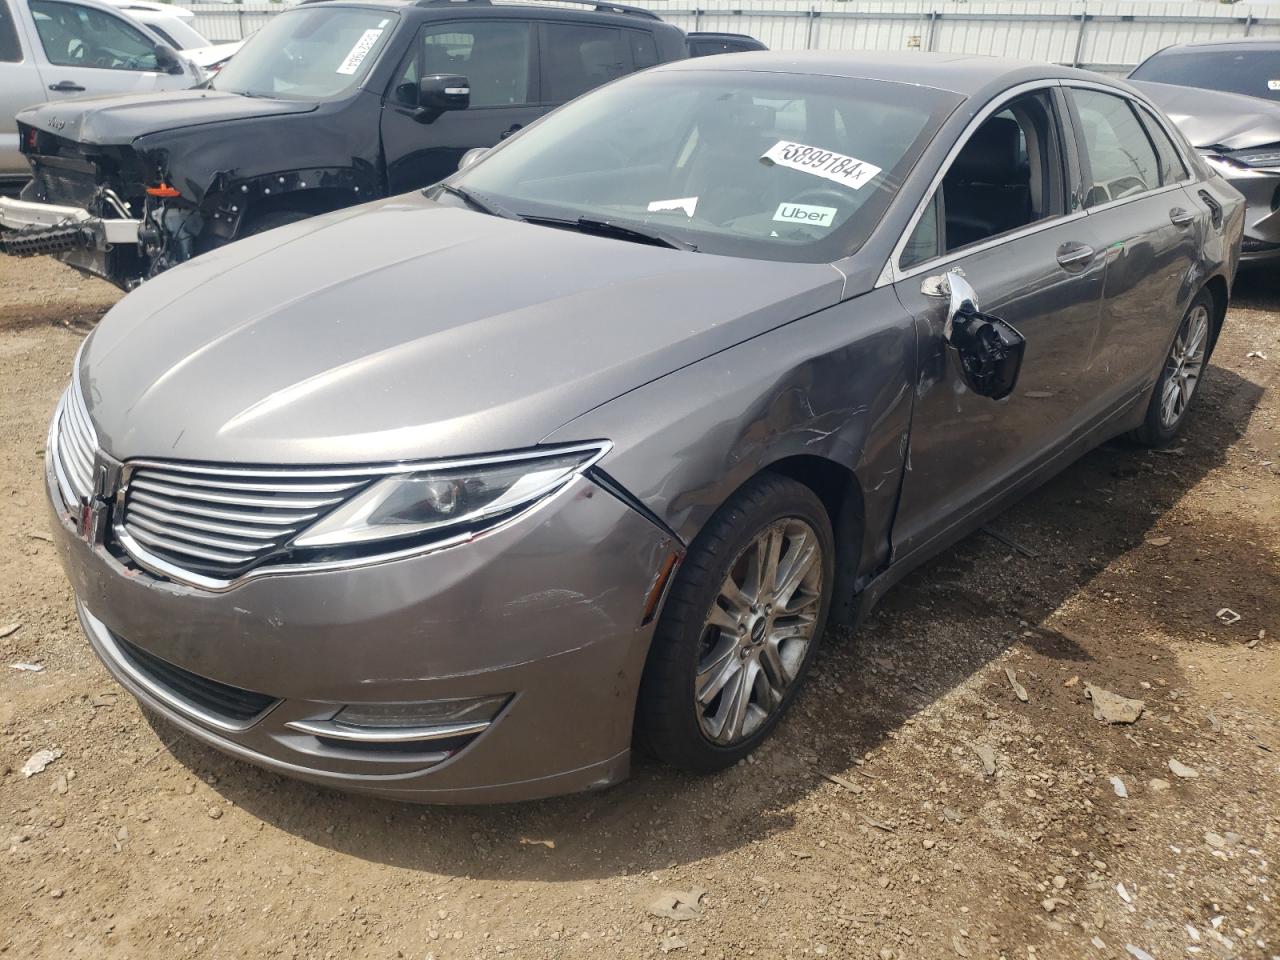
(868, 827)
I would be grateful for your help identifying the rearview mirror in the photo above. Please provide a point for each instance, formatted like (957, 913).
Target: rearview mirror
(167, 59)
(990, 350)
(440, 92)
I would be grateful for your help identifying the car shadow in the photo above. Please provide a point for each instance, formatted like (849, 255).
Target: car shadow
(932, 634)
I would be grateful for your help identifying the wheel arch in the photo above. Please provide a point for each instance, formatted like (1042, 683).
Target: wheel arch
(1221, 294)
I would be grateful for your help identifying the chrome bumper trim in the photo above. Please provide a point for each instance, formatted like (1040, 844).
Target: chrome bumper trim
(334, 731)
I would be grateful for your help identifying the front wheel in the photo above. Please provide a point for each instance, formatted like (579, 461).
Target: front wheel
(1184, 367)
(740, 628)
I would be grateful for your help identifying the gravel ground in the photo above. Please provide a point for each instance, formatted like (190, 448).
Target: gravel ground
(913, 806)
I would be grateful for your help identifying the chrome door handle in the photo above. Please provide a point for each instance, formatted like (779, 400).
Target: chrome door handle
(66, 86)
(1075, 256)
(1181, 218)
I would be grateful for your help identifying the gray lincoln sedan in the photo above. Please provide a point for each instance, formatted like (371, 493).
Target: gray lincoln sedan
(466, 494)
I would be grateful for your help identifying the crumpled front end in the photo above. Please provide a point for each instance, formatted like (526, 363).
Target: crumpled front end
(498, 668)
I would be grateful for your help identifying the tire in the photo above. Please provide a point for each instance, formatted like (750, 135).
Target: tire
(771, 648)
(278, 218)
(1179, 380)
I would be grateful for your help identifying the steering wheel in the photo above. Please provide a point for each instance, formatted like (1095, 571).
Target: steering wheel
(831, 196)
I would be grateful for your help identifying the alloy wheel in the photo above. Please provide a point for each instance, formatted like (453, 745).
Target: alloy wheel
(1184, 366)
(758, 631)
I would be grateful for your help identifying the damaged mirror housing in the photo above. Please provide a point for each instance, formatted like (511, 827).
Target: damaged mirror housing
(990, 350)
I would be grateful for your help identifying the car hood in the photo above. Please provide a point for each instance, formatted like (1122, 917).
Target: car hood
(122, 119)
(406, 329)
(1209, 118)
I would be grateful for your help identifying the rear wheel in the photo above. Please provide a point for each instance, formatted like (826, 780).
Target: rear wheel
(1184, 368)
(740, 628)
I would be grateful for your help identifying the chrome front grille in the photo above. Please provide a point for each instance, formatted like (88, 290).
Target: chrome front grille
(218, 521)
(74, 444)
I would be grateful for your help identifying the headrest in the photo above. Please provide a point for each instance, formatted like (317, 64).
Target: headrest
(991, 155)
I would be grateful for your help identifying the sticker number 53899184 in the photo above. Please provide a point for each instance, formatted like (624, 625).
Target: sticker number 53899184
(848, 171)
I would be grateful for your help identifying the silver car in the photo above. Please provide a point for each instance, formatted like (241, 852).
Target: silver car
(459, 495)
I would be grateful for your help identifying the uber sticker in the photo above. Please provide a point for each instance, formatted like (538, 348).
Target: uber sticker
(848, 171)
(687, 204)
(359, 51)
(803, 213)
(1273, 84)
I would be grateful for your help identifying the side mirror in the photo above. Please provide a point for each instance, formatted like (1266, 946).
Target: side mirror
(167, 59)
(471, 156)
(440, 92)
(990, 351)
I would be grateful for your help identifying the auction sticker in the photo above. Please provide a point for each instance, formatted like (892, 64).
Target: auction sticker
(847, 171)
(1273, 84)
(804, 213)
(359, 51)
(687, 204)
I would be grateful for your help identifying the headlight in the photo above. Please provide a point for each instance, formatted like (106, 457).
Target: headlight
(449, 497)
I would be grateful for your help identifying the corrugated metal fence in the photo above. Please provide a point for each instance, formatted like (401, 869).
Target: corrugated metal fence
(1109, 36)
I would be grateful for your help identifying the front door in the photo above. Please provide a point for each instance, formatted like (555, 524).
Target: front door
(497, 58)
(1002, 215)
(89, 52)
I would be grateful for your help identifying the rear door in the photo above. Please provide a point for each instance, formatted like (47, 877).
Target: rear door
(497, 58)
(577, 57)
(1148, 225)
(85, 51)
(1003, 214)
(20, 87)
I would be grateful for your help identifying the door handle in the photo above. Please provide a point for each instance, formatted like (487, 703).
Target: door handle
(66, 86)
(510, 130)
(1181, 218)
(1074, 257)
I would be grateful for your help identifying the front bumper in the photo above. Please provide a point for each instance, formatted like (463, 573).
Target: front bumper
(1261, 191)
(548, 608)
(28, 228)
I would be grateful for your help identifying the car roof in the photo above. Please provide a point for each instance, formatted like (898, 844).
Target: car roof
(964, 74)
(1230, 43)
(590, 10)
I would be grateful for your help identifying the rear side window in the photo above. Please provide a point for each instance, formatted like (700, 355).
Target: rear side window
(644, 51)
(76, 36)
(10, 50)
(577, 57)
(1122, 161)
(1172, 169)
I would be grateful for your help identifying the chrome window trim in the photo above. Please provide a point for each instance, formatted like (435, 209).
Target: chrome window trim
(171, 571)
(1175, 136)
(894, 267)
(893, 271)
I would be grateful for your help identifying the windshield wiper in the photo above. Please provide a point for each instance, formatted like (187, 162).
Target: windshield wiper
(607, 228)
(475, 203)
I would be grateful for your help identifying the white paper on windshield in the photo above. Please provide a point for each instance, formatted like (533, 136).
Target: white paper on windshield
(687, 204)
(359, 51)
(846, 171)
(806, 214)
(1273, 84)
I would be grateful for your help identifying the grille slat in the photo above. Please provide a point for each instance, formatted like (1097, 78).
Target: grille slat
(238, 500)
(222, 699)
(218, 521)
(201, 540)
(75, 444)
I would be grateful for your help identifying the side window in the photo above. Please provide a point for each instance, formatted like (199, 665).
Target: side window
(1172, 169)
(76, 36)
(644, 51)
(1122, 161)
(923, 244)
(10, 49)
(1007, 175)
(493, 55)
(577, 57)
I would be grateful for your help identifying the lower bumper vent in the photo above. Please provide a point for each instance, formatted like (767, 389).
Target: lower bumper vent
(224, 701)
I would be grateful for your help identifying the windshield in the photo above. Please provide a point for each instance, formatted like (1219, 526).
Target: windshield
(1255, 73)
(311, 53)
(770, 166)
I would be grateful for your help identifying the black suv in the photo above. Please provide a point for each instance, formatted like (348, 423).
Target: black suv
(332, 103)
